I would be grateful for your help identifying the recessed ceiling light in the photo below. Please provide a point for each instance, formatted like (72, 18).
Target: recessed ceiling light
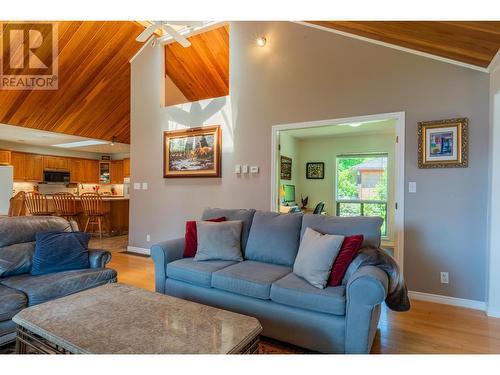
(80, 144)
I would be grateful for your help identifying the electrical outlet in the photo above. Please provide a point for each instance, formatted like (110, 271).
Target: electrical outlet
(148, 238)
(445, 278)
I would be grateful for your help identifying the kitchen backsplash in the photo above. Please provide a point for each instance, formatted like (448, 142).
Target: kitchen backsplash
(116, 189)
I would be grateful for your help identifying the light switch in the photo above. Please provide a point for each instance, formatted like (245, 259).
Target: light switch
(254, 169)
(412, 187)
(245, 169)
(137, 186)
(144, 186)
(237, 168)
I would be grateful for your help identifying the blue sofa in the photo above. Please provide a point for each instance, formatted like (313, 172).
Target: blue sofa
(19, 289)
(340, 319)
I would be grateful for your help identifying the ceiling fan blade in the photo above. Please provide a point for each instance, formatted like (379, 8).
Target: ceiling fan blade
(178, 37)
(187, 23)
(148, 31)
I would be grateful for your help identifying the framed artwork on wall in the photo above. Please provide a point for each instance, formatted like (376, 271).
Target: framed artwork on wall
(443, 143)
(194, 152)
(286, 168)
(315, 170)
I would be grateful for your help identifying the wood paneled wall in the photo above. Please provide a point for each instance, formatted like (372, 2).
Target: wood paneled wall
(93, 98)
(471, 42)
(202, 70)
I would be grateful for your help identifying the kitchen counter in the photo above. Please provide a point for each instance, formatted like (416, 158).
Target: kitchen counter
(116, 208)
(104, 198)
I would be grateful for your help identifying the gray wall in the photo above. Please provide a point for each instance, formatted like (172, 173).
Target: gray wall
(306, 74)
(494, 224)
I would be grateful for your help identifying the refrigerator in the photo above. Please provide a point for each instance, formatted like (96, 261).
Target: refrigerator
(6, 188)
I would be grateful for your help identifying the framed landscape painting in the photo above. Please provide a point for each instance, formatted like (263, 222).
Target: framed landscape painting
(443, 143)
(315, 171)
(194, 152)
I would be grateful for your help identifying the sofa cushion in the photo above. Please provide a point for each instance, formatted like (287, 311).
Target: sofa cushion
(197, 273)
(191, 236)
(60, 251)
(368, 226)
(249, 278)
(219, 241)
(348, 251)
(317, 252)
(16, 259)
(244, 215)
(17, 240)
(24, 228)
(294, 291)
(46, 287)
(274, 238)
(11, 301)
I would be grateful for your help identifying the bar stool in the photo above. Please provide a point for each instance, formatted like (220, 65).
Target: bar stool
(17, 206)
(37, 204)
(93, 208)
(65, 204)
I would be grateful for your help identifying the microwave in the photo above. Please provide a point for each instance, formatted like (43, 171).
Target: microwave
(61, 177)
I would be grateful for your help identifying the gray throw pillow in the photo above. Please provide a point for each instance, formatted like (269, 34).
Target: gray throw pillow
(219, 241)
(316, 255)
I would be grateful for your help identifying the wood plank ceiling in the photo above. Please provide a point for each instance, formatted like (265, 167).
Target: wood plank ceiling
(202, 70)
(471, 42)
(93, 98)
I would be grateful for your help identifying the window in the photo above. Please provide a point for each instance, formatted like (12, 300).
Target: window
(362, 186)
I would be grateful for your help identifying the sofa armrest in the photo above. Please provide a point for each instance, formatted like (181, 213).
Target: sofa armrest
(366, 289)
(99, 258)
(162, 254)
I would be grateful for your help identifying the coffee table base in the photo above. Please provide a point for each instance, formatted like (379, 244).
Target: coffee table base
(28, 342)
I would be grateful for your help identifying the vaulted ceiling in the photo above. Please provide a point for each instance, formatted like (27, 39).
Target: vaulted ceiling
(471, 42)
(202, 70)
(93, 98)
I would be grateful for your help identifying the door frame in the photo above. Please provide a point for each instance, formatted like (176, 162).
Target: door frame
(399, 175)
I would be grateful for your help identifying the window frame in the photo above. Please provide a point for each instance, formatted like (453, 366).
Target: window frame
(362, 202)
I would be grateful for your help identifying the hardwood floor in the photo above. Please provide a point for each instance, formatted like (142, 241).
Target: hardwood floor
(426, 328)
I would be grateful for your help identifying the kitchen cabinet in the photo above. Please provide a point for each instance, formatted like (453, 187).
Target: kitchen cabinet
(34, 167)
(18, 161)
(55, 163)
(91, 171)
(76, 170)
(126, 167)
(4, 157)
(105, 172)
(116, 172)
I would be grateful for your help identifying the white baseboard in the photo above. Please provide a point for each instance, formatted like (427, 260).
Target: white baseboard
(494, 313)
(138, 250)
(445, 300)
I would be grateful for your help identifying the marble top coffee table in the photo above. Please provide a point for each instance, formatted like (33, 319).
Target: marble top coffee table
(117, 318)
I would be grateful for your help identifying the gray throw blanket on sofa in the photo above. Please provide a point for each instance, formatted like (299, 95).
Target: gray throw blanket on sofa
(397, 295)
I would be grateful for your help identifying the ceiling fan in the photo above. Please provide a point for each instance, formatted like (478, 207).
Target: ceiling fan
(168, 29)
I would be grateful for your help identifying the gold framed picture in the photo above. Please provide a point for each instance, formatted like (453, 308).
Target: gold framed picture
(193, 152)
(443, 143)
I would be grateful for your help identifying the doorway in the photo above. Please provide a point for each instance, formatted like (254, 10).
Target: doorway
(352, 166)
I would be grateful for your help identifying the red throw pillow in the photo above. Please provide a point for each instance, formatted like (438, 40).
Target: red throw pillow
(191, 237)
(348, 251)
